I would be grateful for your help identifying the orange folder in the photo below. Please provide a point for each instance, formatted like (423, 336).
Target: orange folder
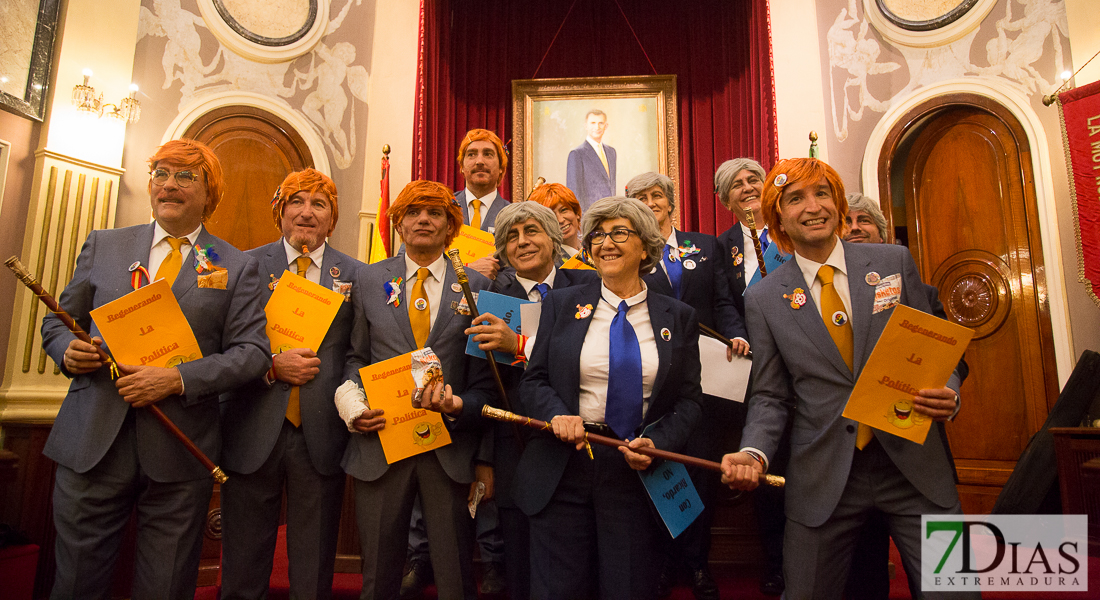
(409, 431)
(915, 351)
(147, 327)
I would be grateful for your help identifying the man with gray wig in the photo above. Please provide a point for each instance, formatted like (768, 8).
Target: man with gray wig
(866, 223)
(693, 270)
(518, 213)
(528, 239)
(739, 184)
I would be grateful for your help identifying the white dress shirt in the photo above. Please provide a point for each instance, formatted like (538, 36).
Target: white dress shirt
(534, 296)
(433, 286)
(486, 201)
(594, 358)
(160, 248)
(313, 271)
(809, 270)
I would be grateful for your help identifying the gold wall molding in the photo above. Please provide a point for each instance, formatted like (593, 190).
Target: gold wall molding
(70, 197)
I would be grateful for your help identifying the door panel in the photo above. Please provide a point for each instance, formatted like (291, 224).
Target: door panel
(974, 230)
(257, 150)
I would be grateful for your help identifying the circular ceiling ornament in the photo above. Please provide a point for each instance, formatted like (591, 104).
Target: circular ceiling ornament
(924, 15)
(926, 23)
(266, 31)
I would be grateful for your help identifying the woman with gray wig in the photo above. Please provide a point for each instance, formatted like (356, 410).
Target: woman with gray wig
(613, 359)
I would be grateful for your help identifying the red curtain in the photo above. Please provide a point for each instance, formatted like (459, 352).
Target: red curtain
(719, 50)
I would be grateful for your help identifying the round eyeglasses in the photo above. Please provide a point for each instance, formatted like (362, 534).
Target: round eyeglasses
(184, 179)
(618, 236)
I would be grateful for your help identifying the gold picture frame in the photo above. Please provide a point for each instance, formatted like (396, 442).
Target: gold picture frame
(548, 124)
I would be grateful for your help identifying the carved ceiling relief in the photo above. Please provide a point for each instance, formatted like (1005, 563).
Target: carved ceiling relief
(862, 78)
(323, 83)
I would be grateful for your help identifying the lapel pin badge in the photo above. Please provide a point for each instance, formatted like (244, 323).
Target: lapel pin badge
(872, 278)
(666, 335)
(420, 304)
(738, 258)
(689, 264)
(274, 282)
(334, 271)
(456, 288)
(839, 318)
(134, 266)
(583, 312)
(798, 298)
(393, 291)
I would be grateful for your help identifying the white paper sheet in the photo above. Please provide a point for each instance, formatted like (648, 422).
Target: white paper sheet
(729, 380)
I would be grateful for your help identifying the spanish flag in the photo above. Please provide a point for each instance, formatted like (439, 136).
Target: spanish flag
(380, 242)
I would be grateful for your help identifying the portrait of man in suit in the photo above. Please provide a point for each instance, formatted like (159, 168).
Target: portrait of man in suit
(282, 430)
(590, 170)
(113, 457)
(813, 325)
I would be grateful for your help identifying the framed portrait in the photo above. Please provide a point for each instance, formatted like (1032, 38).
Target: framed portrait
(26, 55)
(593, 134)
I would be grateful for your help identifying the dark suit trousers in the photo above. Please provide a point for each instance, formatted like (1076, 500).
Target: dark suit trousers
(91, 510)
(250, 522)
(598, 536)
(817, 560)
(383, 508)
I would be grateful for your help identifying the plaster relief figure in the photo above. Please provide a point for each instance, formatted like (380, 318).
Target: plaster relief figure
(1013, 58)
(179, 27)
(858, 55)
(325, 106)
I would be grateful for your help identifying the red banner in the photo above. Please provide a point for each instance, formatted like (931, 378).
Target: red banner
(1080, 109)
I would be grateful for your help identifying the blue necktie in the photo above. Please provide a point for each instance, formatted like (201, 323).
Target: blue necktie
(674, 268)
(623, 412)
(764, 241)
(543, 290)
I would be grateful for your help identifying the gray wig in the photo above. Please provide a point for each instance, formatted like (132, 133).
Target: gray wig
(641, 219)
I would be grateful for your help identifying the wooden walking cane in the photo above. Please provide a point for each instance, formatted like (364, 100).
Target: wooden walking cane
(464, 281)
(501, 415)
(25, 276)
(756, 244)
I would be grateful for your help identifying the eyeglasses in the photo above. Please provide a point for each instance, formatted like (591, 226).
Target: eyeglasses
(618, 236)
(184, 179)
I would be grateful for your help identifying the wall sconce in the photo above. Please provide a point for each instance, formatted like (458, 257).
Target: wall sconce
(86, 101)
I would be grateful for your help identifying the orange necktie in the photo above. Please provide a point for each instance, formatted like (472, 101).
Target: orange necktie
(839, 325)
(294, 403)
(170, 267)
(420, 316)
(475, 215)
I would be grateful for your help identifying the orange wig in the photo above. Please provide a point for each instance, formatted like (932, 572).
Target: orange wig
(308, 180)
(190, 154)
(484, 135)
(552, 194)
(795, 171)
(426, 194)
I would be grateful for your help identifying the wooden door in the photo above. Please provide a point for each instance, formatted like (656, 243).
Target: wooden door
(973, 228)
(257, 150)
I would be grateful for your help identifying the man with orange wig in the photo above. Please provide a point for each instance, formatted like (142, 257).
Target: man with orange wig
(289, 435)
(404, 303)
(112, 458)
(813, 323)
(483, 161)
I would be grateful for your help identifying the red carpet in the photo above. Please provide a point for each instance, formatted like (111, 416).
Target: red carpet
(734, 582)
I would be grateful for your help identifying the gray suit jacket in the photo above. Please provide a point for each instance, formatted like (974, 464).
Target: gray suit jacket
(228, 324)
(490, 216)
(797, 368)
(252, 415)
(382, 331)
